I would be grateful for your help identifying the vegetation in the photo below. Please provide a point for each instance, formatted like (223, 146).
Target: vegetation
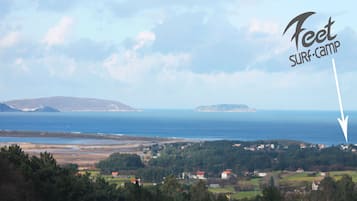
(118, 162)
(177, 158)
(25, 178)
(40, 178)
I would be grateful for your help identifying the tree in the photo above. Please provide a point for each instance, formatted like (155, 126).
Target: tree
(271, 193)
(328, 189)
(13, 185)
(173, 190)
(199, 192)
(118, 161)
(345, 189)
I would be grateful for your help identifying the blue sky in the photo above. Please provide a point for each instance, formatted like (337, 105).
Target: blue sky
(173, 54)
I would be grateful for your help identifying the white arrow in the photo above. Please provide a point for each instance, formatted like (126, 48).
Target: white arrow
(344, 120)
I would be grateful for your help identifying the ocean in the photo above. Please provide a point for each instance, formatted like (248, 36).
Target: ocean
(319, 127)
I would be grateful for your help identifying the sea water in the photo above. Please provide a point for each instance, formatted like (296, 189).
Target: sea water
(320, 127)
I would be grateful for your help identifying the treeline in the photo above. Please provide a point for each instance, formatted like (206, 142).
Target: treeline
(329, 189)
(25, 178)
(119, 162)
(40, 178)
(216, 156)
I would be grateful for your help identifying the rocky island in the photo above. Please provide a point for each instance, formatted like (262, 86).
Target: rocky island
(225, 108)
(65, 104)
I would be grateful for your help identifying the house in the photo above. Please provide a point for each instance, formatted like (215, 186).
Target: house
(236, 145)
(200, 175)
(302, 146)
(226, 174)
(344, 147)
(115, 174)
(321, 146)
(300, 170)
(260, 147)
(135, 181)
(249, 148)
(315, 186)
(262, 174)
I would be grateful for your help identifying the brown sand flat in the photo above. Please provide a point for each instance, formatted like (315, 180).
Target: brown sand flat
(84, 154)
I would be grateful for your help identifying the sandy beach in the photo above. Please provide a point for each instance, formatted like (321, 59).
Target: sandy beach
(82, 149)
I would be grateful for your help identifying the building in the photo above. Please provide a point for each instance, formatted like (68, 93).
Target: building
(115, 174)
(200, 175)
(236, 145)
(226, 174)
(315, 186)
(300, 170)
(135, 181)
(302, 146)
(262, 174)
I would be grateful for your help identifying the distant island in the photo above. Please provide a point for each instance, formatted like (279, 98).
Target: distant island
(64, 104)
(225, 108)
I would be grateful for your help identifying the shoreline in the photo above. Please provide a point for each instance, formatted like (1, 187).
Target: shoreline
(96, 148)
(87, 149)
(80, 135)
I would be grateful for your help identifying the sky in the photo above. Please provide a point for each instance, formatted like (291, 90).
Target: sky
(174, 54)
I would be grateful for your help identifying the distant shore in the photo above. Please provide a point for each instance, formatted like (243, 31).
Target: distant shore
(83, 149)
(6, 133)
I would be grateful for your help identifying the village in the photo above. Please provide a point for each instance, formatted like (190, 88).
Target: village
(238, 184)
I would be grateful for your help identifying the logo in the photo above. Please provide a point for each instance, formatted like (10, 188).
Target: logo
(323, 38)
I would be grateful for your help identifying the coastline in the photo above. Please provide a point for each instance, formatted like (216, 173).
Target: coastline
(96, 147)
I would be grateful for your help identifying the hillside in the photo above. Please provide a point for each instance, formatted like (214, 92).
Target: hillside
(70, 104)
(6, 108)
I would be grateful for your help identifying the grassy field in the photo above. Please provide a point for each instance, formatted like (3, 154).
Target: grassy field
(245, 194)
(338, 174)
(306, 177)
(117, 180)
(250, 187)
(234, 194)
(109, 178)
(300, 177)
(226, 189)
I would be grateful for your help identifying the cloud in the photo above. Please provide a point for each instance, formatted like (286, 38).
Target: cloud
(58, 66)
(57, 34)
(55, 5)
(213, 42)
(22, 65)
(347, 53)
(132, 65)
(86, 50)
(128, 8)
(144, 38)
(265, 27)
(9, 39)
(278, 59)
(129, 66)
(298, 88)
(5, 7)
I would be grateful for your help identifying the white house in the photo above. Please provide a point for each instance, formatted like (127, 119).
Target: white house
(262, 174)
(315, 186)
(226, 174)
(200, 175)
